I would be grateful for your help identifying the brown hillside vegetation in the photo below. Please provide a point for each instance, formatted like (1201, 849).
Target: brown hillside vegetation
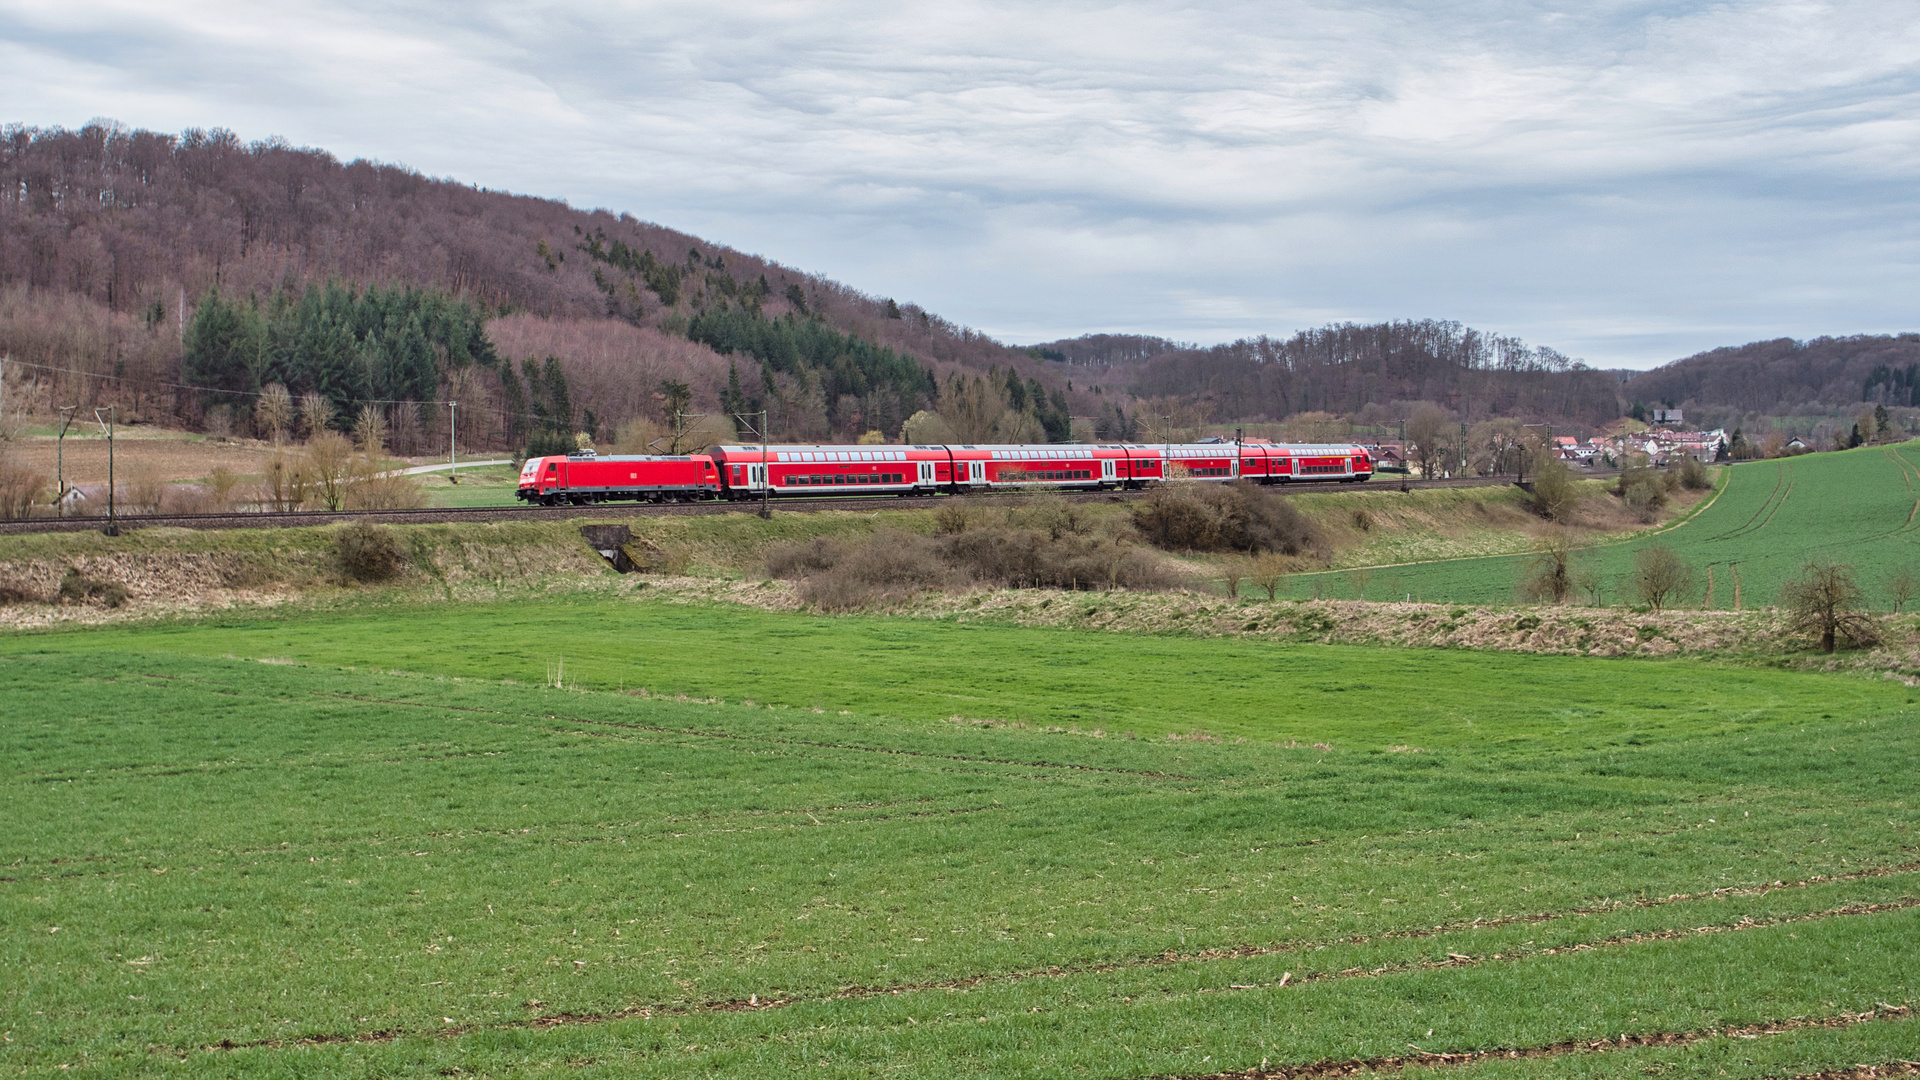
(1350, 368)
(110, 236)
(1823, 376)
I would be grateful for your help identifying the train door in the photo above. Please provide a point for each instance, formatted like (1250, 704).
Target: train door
(977, 472)
(1107, 473)
(926, 474)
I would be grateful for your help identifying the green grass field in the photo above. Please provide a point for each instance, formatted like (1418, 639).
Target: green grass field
(344, 844)
(491, 485)
(1860, 507)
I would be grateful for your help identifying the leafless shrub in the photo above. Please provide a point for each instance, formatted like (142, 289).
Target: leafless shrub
(326, 463)
(77, 588)
(1555, 496)
(1551, 576)
(952, 516)
(885, 567)
(143, 489)
(1693, 475)
(792, 559)
(1269, 573)
(1054, 515)
(370, 486)
(1223, 517)
(20, 488)
(843, 575)
(287, 484)
(1902, 585)
(14, 592)
(1644, 491)
(1232, 573)
(222, 482)
(369, 553)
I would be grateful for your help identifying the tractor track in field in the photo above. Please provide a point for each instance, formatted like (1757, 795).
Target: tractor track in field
(1774, 501)
(721, 735)
(778, 741)
(1432, 1058)
(754, 1003)
(1865, 1072)
(621, 510)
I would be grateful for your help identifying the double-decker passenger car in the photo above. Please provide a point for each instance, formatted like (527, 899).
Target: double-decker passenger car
(749, 472)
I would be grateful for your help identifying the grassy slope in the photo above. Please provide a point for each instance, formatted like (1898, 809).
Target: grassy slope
(929, 671)
(243, 850)
(1854, 506)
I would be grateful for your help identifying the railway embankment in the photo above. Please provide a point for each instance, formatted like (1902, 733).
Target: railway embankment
(48, 579)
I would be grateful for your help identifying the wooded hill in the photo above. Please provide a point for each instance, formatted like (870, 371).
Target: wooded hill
(111, 240)
(1375, 372)
(132, 262)
(1826, 376)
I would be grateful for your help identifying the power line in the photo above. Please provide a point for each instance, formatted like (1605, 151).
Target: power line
(202, 389)
(257, 393)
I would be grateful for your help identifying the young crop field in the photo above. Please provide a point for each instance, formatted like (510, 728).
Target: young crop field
(1859, 507)
(381, 841)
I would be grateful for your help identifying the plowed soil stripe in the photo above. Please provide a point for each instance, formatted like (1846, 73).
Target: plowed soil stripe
(755, 1003)
(1356, 1066)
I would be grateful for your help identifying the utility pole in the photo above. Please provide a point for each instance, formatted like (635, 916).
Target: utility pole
(766, 469)
(107, 425)
(60, 458)
(1237, 465)
(453, 459)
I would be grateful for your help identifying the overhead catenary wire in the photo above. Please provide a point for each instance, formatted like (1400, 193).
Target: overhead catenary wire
(108, 376)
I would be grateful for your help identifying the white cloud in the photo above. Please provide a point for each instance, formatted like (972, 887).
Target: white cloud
(1623, 181)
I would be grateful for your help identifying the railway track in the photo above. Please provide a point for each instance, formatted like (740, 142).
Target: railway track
(437, 515)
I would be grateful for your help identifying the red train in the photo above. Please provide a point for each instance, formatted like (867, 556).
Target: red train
(746, 472)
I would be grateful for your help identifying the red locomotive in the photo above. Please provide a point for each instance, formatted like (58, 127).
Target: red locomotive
(748, 472)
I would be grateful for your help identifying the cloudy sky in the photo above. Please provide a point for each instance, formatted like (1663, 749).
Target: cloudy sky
(1627, 182)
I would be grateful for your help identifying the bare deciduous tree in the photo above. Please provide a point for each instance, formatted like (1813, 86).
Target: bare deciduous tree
(1429, 437)
(1551, 575)
(1901, 586)
(370, 430)
(1825, 602)
(316, 412)
(1269, 573)
(1661, 577)
(285, 485)
(1232, 573)
(326, 463)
